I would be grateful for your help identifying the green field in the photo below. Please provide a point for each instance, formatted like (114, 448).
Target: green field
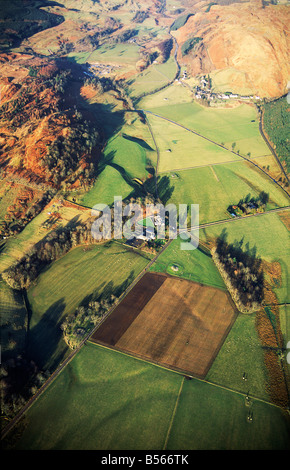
(194, 265)
(127, 156)
(213, 418)
(103, 400)
(241, 352)
(215, 187)
(180, 149)
(224, 125)
(267, 235)
(116, 54)
(13, 321)
(106, 400)
(73, 280)
(152, 78)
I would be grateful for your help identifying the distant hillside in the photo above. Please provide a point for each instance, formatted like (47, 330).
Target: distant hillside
(20, 19)
(244, 45)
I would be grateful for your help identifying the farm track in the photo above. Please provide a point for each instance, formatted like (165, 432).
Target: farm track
(26, 407)
(216, 143)
(22, 412)
(55, 374)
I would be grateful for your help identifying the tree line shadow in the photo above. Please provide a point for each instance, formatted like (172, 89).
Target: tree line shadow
(44, 345)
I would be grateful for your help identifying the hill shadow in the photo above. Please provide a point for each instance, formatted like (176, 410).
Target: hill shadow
(43, 339)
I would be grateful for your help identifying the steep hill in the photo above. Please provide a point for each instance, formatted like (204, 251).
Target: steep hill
(44, 136)
(245, 44)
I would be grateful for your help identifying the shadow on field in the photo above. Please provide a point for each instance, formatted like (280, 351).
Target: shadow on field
(138, 141)
(44, 338)
(244, 253)
(108, 290)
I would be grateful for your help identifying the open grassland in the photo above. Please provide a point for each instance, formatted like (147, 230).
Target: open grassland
(56, 214)
(216, 187)
(152, 78)
(181, 324)
(109, 401)
(13, 321)
(225, 126)
(213, 418)
(193, 265)
(75, 279)
(267, 235)
(241, 353)
(127, 155)
(109, 183)
(119, 54)
(180, 149)
(103, 400)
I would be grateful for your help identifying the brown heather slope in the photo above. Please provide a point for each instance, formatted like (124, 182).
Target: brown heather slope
(43, 138)
(247, 42)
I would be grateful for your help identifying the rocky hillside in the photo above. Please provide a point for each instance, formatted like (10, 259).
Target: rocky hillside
(247, 43)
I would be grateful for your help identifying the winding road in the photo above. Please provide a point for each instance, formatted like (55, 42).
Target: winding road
(17, 418)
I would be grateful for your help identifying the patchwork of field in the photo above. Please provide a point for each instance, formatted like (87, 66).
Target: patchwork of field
(239, 124)
(181, 149)
(215, 187)
(170, 321)
(165, 369)
(107, 400)
(75, 279)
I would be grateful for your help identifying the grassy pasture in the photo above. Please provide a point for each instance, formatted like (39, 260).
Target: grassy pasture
(241, 352)
(215, 187)
(152, 78)
(223, 125)
(73, 279)
(193, 265)
(180, 149)
(110, 183)
(125, 157)
(109, 401)
(119, 54)
(13, 321)
(214, 418)
(268, 235)
(103, 400)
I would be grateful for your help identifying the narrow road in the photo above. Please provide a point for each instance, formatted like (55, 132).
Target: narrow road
(144, 111)
(271, 148)
(69, 358)
(16, 419)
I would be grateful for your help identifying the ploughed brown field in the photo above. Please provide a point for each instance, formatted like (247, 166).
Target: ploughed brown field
(170, 321)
